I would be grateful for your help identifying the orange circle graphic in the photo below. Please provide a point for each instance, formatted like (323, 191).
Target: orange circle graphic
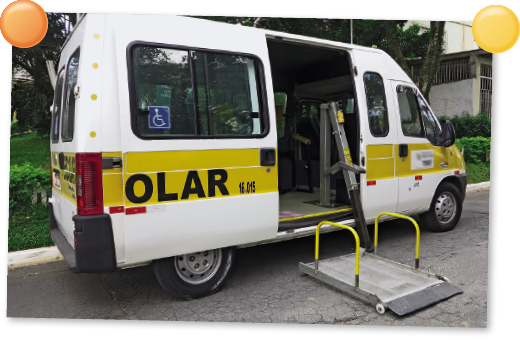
(23, 23)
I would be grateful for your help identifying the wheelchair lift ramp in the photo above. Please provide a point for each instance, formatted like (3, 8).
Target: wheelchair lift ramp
(401, 288)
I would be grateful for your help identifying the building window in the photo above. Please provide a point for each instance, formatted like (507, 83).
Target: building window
(485, 88)
(449, 71)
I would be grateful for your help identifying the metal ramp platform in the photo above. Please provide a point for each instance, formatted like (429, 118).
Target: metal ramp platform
(401, 288)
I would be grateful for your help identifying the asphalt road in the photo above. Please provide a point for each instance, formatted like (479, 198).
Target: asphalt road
(265, 286)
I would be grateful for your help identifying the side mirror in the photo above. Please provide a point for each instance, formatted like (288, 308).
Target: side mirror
(448, 134)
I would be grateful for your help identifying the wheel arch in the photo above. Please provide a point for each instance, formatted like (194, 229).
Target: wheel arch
(453, 180)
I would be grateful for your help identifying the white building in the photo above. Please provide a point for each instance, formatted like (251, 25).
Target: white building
(464, 79)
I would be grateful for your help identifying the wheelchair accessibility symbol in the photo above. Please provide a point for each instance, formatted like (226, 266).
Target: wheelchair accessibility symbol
(159, 117)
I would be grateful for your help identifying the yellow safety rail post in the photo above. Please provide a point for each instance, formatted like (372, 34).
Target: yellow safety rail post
(406, 218)
(318, 246)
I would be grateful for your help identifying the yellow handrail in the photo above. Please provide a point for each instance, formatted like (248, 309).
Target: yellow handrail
(406, 218)
(318, 246)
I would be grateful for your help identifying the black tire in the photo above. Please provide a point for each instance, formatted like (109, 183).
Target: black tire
(438, 218)
(171, 273)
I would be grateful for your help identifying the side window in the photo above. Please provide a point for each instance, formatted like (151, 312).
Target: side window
(67, 125)
(183, 93)
(409, 110)
(164, 91)
(280, 102)
(227, 94)
(376, 104)
(430, 125)
(56, 113)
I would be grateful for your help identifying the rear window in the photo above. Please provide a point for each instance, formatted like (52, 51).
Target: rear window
(189, 93)
(69, 112)
(56, 112)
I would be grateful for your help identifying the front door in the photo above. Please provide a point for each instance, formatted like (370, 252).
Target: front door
(421, 162)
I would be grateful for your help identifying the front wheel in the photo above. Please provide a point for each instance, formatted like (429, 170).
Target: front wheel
(194, 275)
(445, 209)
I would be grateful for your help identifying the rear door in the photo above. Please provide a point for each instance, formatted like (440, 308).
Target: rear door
(63, 143)
(421, 162)
(199, 146)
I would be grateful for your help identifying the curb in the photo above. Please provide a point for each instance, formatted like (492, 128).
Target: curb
(33, 257)
(477, 186)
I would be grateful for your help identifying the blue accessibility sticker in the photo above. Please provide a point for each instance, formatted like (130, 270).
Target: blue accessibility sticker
(159, 117)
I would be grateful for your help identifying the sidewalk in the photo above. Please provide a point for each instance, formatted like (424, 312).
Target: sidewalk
(32, 257)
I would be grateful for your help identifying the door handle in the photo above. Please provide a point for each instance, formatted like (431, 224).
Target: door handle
(403, 150)
(267, 156)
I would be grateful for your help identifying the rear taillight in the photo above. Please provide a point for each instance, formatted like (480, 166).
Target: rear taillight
(89, 186)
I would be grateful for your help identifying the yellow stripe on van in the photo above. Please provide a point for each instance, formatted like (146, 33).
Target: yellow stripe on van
(64, 181)
(113, 194)
(142, 162)
(380, 162)
(186, 175)
(380, 151)
(440, 155)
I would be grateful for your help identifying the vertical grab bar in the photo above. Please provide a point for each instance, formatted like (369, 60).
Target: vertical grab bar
(318, 247)
(406, 218)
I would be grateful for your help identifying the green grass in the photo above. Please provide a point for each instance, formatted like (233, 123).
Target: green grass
(479, 172)
(31, 148)
(29, 230)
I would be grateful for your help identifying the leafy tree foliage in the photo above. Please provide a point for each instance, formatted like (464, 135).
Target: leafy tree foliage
(32, 101)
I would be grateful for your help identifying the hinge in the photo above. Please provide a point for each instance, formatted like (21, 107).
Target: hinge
(76, 91)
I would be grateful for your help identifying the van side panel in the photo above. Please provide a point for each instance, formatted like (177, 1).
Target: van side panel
(157, 229)
(87, 135)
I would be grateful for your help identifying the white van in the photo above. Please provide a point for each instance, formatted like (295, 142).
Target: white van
(176, 140)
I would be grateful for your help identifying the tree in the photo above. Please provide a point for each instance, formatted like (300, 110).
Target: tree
(38, 96)
(388, 35)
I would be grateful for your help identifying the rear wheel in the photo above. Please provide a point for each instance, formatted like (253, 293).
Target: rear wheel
(445, 209)
(194, 275)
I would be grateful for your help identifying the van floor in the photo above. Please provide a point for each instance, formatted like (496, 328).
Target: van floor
(299, 204)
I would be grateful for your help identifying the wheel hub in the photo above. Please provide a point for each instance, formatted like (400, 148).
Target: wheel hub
(198, 267)
(445, 207)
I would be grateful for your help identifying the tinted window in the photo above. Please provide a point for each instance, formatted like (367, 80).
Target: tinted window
(430, 125)
(56, 113)
(182, 92)
(376, 104)
(163, 79)
(227, 94)
(409, 111)
(67, 127)
(280, 102)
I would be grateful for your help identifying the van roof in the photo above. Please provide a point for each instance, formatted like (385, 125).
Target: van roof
(269, 34)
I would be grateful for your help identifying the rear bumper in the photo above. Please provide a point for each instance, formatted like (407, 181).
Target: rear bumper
(94, 243)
